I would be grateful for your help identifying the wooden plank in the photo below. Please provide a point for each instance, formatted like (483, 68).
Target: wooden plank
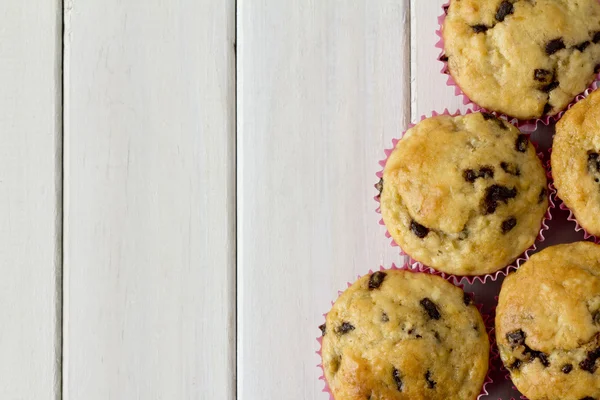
(30, 188)
(323, 87)
(429, 91)
(149, 200)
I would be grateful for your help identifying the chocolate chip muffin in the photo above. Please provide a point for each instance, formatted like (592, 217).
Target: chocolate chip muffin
(576, 161)
(548, 323)
(465, 195)
(397, 335)
(524, 58)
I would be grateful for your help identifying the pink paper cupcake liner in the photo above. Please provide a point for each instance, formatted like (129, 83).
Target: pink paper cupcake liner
(525, 125)
(419, 266)
(487, 320)
(563, 206)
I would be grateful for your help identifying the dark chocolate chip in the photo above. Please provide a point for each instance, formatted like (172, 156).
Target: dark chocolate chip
(589, 364)
(554, 45)
(470, 175)
(431, 308)
(479, 28)
(323, 329)
(419, 229)
(397, 379)
(515, 365)
(588, 398)
(376, 280)
(596, 37)
(521, 143)
(486, 172)
(444, 58)
(495, 194)
(547, 109)
(543, 357)
(506, 8)
(498, 121)
(510, 168)
(467, 299)
(567, 368)
(446, 9)
(430, 382)
(379, 186)
(543, 75)
(344, 328)
(583, 45)
(384, 317)
(509, 224)
(418, 336)
(550, 87)
(597, 68)
(516, 338)
(542, 196)
(593, 161)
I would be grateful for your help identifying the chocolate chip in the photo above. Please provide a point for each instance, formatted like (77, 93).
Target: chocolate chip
(516, 338)
(567, 368)
(543, 75)
(479, 28)
(506, 8)
(508, 225)
(542, 196)
(323, 329)
(550, 87)
(543, 357)
(444, 58)
(515, 365)
(521, 143)
(419, 229)
(495, 194)
(470, 175)
(431, 308)
(554, 45)
(589, 364)
(467, 299)
(593, 161)
(588, 398)
(430, 382)
(596, 37)
(385, 318)
(597, 68)
(583, 45)
(344, 328)
(547, 109)
(379, 186)
(376, 280)
(510, 168)
(446, 9)
(498, 121)
(397, 379)
(486, 172)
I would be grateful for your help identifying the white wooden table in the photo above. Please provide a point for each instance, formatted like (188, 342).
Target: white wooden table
(185, 185)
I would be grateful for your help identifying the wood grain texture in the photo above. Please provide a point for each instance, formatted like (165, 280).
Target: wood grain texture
(30, 187)
(149, 200)
(323, 87)
(429, 91)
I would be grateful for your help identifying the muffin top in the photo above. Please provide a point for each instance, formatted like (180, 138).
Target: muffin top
(397, 334)
(548, 323)
(576, 161)
(465, 195)
(524, 58)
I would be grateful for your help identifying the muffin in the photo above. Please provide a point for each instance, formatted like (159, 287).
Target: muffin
(548, 323)
(523, 58)
(576, 162)
(465, 195)
(397, 334)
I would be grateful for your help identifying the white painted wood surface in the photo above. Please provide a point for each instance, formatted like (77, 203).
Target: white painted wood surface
(323, 87)
(30, 182)
(149, 200)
